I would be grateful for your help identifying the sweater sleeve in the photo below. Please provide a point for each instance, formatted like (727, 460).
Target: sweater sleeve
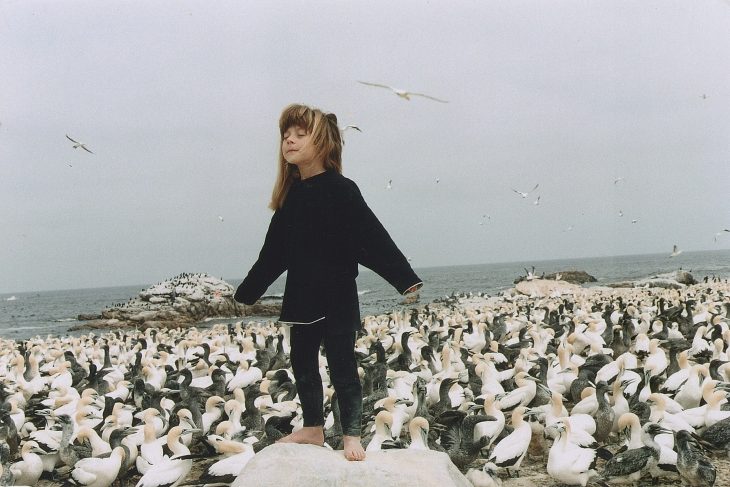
(373, 247)
(270, 264)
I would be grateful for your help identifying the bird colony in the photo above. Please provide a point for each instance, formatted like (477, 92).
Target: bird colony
(595, 386)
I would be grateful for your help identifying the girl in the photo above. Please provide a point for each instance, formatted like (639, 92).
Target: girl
(321, 229)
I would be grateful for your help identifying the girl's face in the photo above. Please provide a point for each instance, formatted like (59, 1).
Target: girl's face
(297, 147)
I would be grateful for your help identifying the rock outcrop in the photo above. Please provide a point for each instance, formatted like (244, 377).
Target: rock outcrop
(292, 465)
(184, 299)
(670, 280)
(573, 277)
(540, 288)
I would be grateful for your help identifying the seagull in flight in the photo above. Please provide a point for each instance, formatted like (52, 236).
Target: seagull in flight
(78, 144)
(483, 217)
(220, 218)
(524, 195)
(718, 234)
(390, 184)
(406, 95)
(618, 180)
(537, 201)
(634, 220)
(675, 252)
(620, 212)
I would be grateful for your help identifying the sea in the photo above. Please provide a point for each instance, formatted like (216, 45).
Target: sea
(28, 314)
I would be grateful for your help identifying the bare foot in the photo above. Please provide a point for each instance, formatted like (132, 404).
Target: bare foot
(353, 448)
(308, 435)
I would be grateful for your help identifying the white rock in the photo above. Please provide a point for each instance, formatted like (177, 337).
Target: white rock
(157, 300)
(540, 288)
(284, 465)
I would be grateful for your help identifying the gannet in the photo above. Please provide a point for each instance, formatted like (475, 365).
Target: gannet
(628, 466)
(29, 469)
(693, 466)
(406, 95)
(569, 463)
(509, 452)
(78, 144)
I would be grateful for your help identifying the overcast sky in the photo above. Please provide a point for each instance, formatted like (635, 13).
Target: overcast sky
(179, 101)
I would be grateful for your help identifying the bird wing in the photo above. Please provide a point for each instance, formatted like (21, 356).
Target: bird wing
(533, 189)
(72, 140)
(378, 85)
(518, 192)
(87, 150)
(82, 476)
(429, 97)
(627, 462)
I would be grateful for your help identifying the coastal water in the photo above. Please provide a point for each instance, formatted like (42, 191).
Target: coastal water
(54, 312)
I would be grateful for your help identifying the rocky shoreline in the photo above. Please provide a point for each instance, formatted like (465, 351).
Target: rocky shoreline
(184, 299)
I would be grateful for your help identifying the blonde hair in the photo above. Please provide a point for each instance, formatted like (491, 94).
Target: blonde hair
(325, 137)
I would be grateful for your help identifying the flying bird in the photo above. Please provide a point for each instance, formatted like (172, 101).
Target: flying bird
(406, 95)
(437, 180)
(390, 184)
(620, 212)
(675, 252)
(537, 201)
(524, 195)
(634, 220)
(618, 180)
(220, 218)
(718, 234)
(78, 144)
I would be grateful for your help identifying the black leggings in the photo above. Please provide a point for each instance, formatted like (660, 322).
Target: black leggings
(339, 345)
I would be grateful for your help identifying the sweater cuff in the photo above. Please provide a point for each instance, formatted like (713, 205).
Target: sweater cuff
(413, 288)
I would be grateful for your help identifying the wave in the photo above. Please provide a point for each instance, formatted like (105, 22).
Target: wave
(364, 291)
(63, 320)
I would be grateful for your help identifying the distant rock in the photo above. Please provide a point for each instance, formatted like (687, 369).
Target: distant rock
(573, 277)
(684, 277)
(540, 288)
(184, 299)
(669, 280)
(291, 465)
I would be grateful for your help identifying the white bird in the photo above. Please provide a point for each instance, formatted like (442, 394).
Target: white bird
(618, 180)
(226, 470)
(29, 469)
(486, 477)
(620, 212)
(567, 462)
(220, 218)
(98, 472)
(406, 95)
(418, 429)
(171, 471)
(437, 180)
(78, 144)
(537, 201)
(390, 184)
(383, 422)
(675, 252)
(509, 452)
(524, 195)
(634, 220)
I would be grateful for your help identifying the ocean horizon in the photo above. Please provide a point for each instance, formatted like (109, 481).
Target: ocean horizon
(33, 313)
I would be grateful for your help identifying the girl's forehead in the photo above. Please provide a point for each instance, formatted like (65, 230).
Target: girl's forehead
(295, 126)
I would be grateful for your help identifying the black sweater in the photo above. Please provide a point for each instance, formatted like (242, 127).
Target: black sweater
(320, 234)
